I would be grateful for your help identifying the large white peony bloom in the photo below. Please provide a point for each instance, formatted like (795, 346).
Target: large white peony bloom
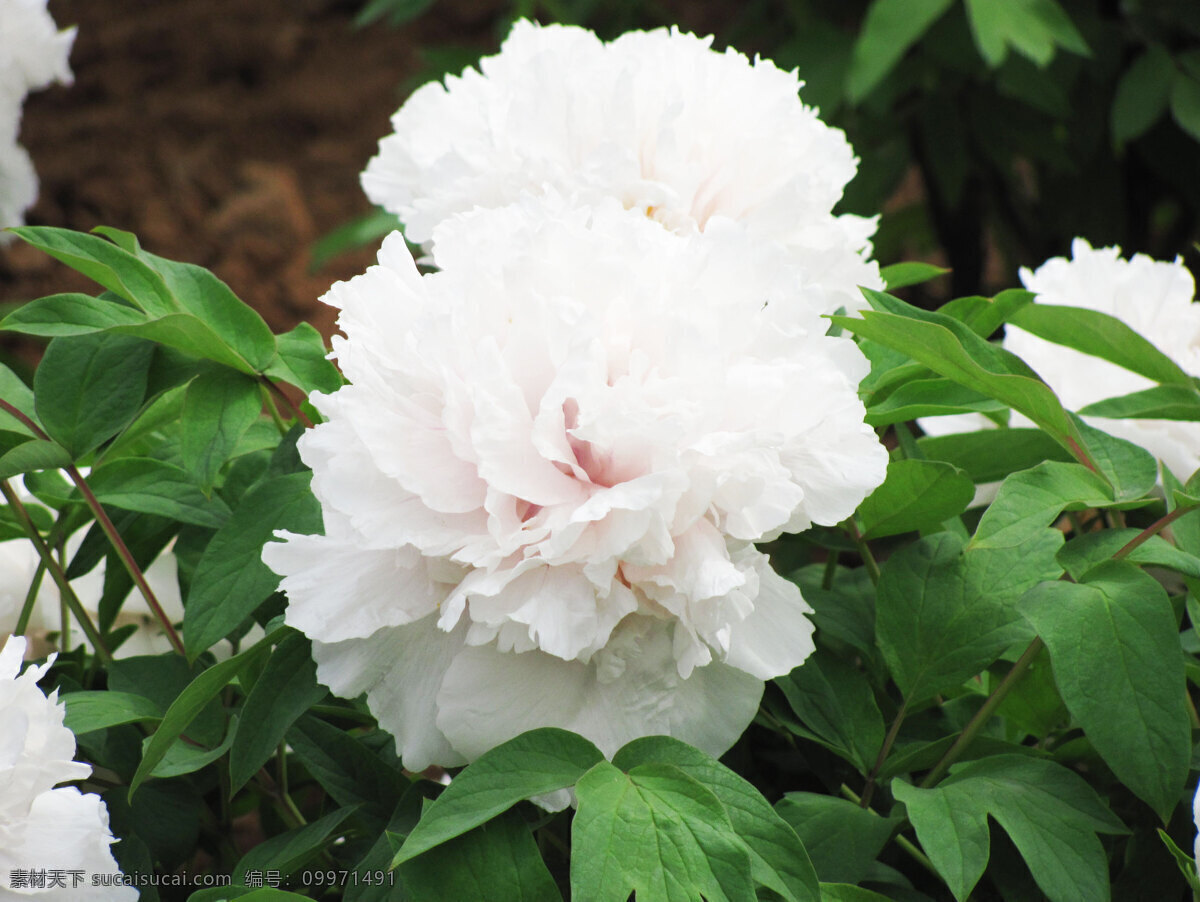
(1155, 299)
(33, 55)
(541, 488)
(42, 828)
(655, 120)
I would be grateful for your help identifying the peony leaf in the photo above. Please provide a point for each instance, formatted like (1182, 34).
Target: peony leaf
(1034, 28)
(929, 398)
(916, 495)
(1163, 402)
(656, 832)
(1049, 812)
(1115, 649)
(288, 852)
(90, 387)
(156, 487)
(845, 892)
(20, 396)
(286, 689)
(1185, 103)
(1092, 549)
(1141, 96)
(303, 361)
(889, 29)
(1032, 499)
(230, 579)
(71, 314)
(98, 710)
(1100, 335)
(218, 407)
(842, 838)
(778, 859)
(942, 615)
(35, 454)
(496, 860)
(534, 763)
(902, 275)
(990, 454)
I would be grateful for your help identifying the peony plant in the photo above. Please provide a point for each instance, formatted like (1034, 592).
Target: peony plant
(621, 552)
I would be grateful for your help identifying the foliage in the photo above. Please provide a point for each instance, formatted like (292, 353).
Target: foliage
(1030, 664)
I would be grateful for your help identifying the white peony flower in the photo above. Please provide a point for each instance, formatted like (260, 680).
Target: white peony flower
(33, 55)
(541, 488)
(1155, 299)
(43, 828)
(655, 120)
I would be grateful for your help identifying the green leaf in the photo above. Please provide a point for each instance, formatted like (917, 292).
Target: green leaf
(845, 892)
(90, 387)
(97, 710)
(889, 29)
(834, 700)
(950, 348)
(1130, 469)
(656, 832)
(70, 314)
(1100, 335)
(303, 361)
(942, 615)
(287, 852)
(902, 275)
(1163, 402)
(929, 398)
(843, 839)
(34, 454)
(190, 702)
(1033, 28)
(350, 772)
(183, 757)
(218, 407)
(117, 270)
(1118, 665)
(1141, 96)
(246, 894)
(156, 487)
(778, 860)
(1185, 103)
(534, 763)
(1032, 499)
(987, 455)
(1184, 861)
(496, 860)
(231, 580)
(1084, 552)
(20, 396)
(285, 690)
(1050, 813)
(916, 495)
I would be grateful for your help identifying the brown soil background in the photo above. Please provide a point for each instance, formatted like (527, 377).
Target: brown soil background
(228, 133)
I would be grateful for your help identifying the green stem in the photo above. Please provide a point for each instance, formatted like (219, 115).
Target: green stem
(884, 751)
(967, 736)
(909, 847)
(279, 393)
(30, 599)
(1152, 530)
(270, 404)
(831, 563)
(56, 572)
(864, 551)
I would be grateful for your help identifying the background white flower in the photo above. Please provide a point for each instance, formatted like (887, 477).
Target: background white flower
(42, 827)
(541, 488)
(655, 120)
(1154, 298)
(33, 54)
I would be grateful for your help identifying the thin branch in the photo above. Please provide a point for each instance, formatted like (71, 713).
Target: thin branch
(864, 550)
(1152, 530)
(884, 751)
(279, 392)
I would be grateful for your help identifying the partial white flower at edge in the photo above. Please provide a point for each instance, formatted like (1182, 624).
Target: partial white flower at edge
(1155, 299)
(33, 55)
(542, 487)
(657, 121)
(42, 827)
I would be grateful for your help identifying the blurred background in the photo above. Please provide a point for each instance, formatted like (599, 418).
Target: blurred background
(230, 133)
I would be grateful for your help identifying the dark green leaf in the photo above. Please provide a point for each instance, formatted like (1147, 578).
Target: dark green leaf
(1185, 103)
(287, 852)
(303, 361)
(1163, 402)
(20, 396)
(890, 28)
(532, 764)
(350, 772)
(89, 387)
(987, 455)
(218, 407)
(1050, 813)
(1034, 28)
(1118, 665)
(842, 838)
(285, 690)
(87, 711)
(1084, 552)
(943, 615)
(777, 857)
(496, 860)
(155, 487)
(656, 832)
(1032, 499)
(231, 580)
(929, 398)
(902, 275)
(70, 314)
(1141, 96)
(34, 454)
(916, 495)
